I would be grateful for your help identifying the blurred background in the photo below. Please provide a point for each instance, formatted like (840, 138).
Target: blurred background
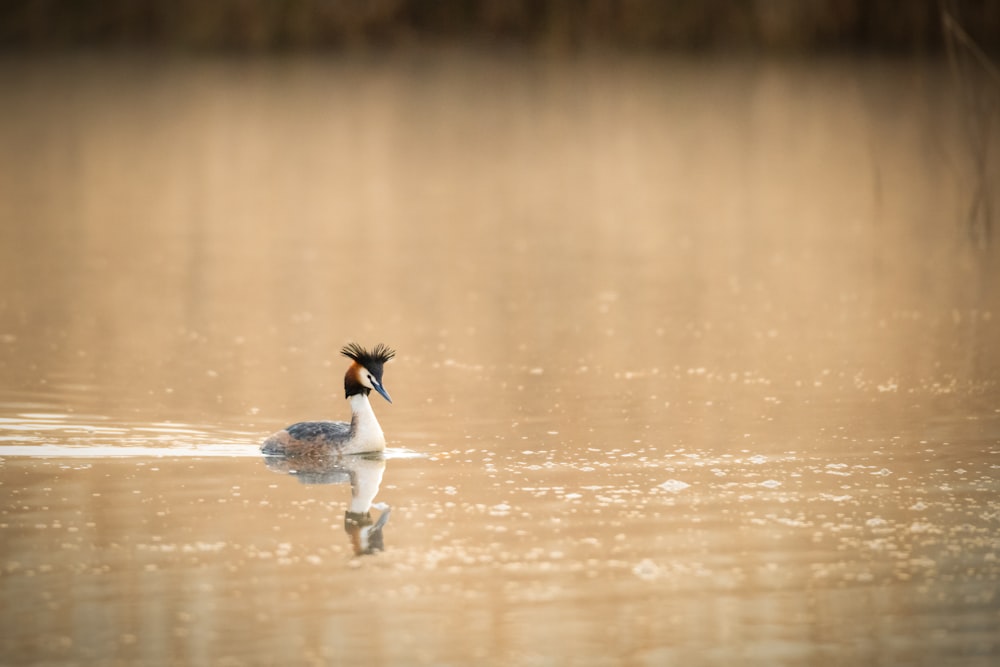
(298, 25)
(493, 178)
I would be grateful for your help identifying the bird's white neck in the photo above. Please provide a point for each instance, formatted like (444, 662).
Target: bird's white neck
(366, 434)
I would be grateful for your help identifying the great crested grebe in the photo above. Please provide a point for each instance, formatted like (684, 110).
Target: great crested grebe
(363, 434)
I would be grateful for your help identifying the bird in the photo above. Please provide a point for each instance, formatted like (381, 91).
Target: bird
(363, 434)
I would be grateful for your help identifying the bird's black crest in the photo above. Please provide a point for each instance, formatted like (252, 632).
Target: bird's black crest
(373, 360)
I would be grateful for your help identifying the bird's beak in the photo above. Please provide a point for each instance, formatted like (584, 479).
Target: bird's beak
(379, 389)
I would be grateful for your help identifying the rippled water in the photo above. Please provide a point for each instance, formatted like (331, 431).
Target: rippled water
(697, 362)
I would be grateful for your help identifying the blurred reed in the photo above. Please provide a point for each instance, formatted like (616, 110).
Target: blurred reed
(976, 81)
(561, 25)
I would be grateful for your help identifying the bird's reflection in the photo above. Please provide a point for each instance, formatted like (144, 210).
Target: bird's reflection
(364, 473)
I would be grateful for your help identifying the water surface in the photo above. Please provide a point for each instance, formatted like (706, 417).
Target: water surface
(697, 362)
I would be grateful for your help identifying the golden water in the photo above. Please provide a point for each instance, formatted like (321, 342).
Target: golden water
(697, 362)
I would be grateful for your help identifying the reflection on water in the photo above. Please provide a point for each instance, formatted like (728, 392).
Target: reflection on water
(364, 474)
(695, 363)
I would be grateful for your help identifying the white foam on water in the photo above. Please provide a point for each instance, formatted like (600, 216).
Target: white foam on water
(674, 485)
(108, 451)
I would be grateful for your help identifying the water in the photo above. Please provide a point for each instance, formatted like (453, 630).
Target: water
(697, 362)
